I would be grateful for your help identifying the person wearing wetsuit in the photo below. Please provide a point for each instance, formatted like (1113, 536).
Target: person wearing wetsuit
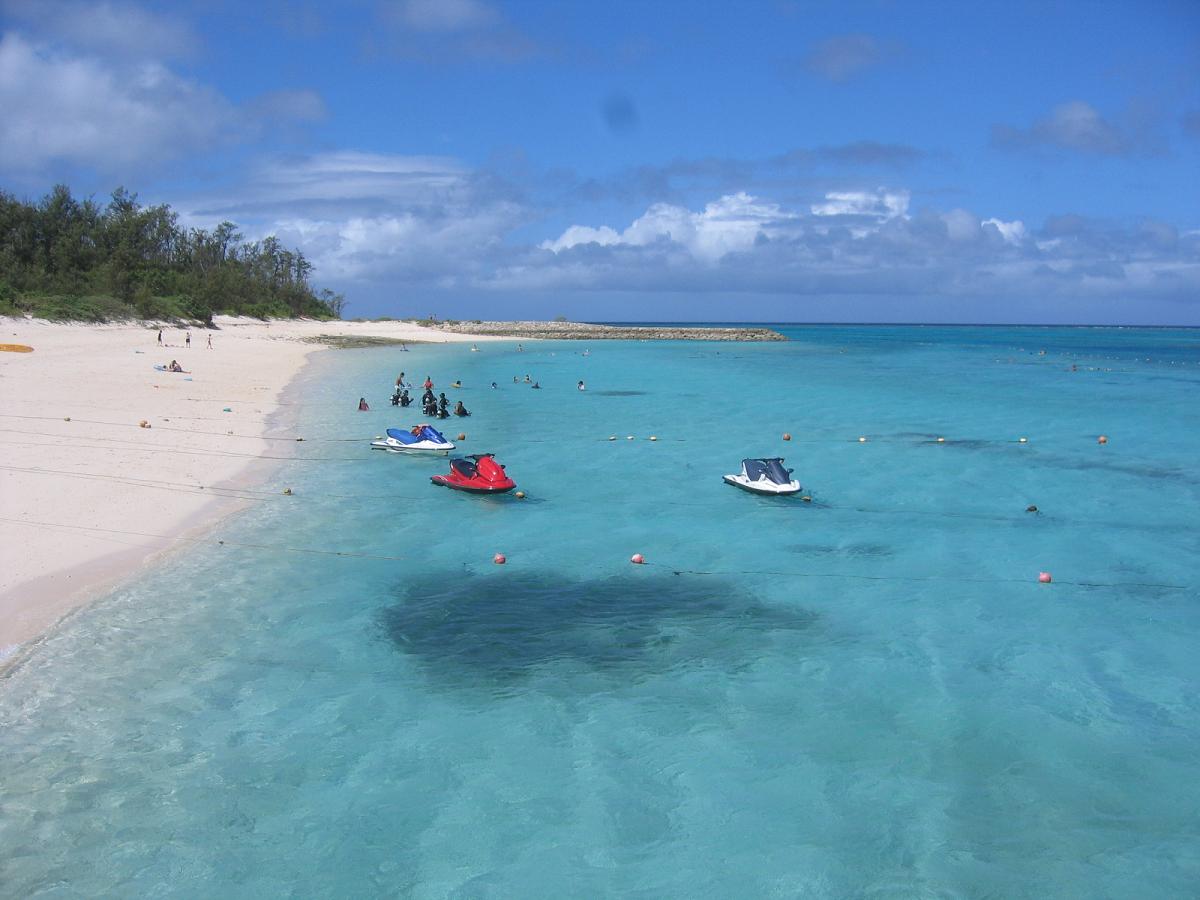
(442, 403)
(405, 400)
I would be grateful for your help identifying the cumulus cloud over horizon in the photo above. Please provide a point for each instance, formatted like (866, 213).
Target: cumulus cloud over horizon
(368, 220)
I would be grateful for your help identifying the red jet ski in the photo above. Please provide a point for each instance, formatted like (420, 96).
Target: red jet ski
(479, 474)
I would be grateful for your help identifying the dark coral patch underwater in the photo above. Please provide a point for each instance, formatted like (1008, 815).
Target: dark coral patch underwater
(499, 628)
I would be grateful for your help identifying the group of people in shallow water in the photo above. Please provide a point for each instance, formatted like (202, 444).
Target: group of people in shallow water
(436, 405)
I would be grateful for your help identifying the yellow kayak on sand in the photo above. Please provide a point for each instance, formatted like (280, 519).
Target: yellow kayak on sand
(16, 348)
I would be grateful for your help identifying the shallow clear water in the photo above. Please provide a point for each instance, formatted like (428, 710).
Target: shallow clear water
(868, 694)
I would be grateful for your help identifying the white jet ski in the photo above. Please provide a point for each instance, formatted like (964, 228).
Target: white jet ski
(764, 476)
(418, 439)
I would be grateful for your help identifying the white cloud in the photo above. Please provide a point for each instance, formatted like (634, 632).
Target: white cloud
(732, 223)
(371, 217)
(1077, 126)
(107, 29)
(881, 204)
(1013, 232)
(60, 107)
(80, 110)
(445, 15)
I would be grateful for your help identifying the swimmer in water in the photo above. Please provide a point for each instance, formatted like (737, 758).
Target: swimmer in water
(580, 386)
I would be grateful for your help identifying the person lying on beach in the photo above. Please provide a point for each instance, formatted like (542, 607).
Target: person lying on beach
(174, 367)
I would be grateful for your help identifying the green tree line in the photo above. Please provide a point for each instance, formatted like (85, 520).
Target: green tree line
(63, 258)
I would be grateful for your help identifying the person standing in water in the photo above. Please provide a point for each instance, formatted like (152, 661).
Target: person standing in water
(362, 405)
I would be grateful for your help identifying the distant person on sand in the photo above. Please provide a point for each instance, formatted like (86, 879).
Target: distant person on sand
(362, 405)
(174, 366)
(187, 341)
(160, 337)
(210, 342)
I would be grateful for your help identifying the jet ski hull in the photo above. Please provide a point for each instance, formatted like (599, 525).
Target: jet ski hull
(476, 474)
(762, 486)
(473, 488)
(425, 447)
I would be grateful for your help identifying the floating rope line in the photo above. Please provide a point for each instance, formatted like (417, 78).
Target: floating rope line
(922, 578)
(349, 554)
(162, 448)
(260, 437)
(172, 486)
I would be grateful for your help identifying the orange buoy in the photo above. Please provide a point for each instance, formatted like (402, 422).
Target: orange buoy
(499, 559)
(637, 559)
(461, 436)
(1044, 577)
(1102, 440)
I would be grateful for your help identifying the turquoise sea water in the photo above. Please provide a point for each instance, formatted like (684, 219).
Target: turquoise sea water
(865, 695)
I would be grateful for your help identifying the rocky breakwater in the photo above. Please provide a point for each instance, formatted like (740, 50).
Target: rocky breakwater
(583, 331)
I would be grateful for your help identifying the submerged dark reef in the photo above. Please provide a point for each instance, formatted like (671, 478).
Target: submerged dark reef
(500, 628)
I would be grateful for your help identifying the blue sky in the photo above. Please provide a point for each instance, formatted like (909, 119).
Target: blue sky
(772, 160)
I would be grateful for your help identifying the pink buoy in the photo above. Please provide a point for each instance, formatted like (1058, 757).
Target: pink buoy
(499, 559)
(1102, 440)
(1044, 577)
(637, 559)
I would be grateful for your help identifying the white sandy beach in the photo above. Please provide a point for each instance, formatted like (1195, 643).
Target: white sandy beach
(87, 495)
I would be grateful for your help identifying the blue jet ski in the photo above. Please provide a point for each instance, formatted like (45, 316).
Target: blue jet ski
(418, 439)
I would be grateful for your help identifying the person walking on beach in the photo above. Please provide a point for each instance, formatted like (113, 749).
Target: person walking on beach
(160, 337)
(187, 341)
(210, 342)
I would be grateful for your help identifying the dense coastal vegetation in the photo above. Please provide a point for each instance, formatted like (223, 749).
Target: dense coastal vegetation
(62, 258)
